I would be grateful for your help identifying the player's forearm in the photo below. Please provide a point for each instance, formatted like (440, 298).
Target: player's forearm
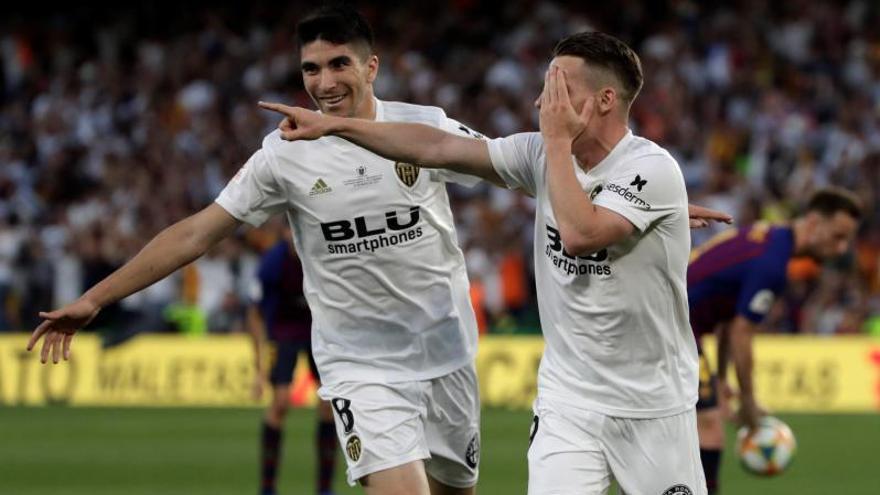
(171, 249)
(572, 208)
(412, 143)
(741, 352)
(420, 144)
(257, 334)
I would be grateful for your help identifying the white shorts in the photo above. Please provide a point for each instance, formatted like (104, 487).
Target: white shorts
(574, 451)
(384, 425)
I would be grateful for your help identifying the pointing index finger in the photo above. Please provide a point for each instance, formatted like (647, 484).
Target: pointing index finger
(275, 107)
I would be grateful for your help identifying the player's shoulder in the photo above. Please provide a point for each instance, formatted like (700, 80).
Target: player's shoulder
(643, 149)
(781, 240)
(273, 143)
(277, 150)
(525, 139)
(398, 111)
(279, 249)
(271, 259)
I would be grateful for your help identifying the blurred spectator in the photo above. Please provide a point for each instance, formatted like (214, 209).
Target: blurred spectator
(114, 123)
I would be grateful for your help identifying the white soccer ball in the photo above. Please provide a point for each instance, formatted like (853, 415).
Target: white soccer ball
(768, 449)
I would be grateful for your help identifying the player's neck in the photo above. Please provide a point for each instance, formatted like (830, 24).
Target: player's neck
(799, 228)
(590, 151)
(367, 109)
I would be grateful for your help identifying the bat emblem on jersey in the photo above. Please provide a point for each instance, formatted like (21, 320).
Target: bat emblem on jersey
(639, 183)
(407, 173)
(353, 448)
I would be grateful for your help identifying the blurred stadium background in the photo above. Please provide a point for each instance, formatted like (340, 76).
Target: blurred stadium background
(117, 121)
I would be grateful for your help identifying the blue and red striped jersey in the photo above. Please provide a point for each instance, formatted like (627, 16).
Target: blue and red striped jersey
(738, 272)
(283, 304)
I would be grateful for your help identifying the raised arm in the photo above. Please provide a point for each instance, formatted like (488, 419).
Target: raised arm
(584, 226)
(421, 144)
(171, 249)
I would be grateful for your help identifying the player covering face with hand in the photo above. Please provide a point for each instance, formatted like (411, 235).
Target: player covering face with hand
(618, 379)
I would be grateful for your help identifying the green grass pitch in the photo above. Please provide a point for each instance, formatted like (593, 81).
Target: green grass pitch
(72, 451)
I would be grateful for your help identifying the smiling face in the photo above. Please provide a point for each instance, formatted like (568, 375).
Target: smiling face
(339, 78)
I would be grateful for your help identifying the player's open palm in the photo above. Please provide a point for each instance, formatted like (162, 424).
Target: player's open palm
(299, 124)
(558, 117)
(58, 327)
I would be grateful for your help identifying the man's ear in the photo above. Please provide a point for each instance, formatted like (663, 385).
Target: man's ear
(372, 68)
(607, 99)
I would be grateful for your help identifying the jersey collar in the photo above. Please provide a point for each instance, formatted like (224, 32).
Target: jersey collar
(615, 153)
(380, 109)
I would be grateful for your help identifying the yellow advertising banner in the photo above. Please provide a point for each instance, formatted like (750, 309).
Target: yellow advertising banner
(151, 370)
(815, 374)
(837, 374)
(792, 373)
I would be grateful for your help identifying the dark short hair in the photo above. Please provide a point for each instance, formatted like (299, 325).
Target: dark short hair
(830, 200)
(606, 51)
(336, 23)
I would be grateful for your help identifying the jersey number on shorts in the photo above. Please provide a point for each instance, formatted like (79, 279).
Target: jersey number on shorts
(343, 410)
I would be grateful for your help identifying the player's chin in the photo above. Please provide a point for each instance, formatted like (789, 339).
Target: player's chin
(341, 109)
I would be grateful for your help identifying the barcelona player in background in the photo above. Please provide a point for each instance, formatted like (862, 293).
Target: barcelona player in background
(733, 281)
(282, 315)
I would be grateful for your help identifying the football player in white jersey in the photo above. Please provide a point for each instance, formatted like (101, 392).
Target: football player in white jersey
(394, 335)
(618, 379)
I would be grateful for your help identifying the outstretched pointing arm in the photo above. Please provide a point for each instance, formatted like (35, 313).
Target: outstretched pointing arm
(172, 248)
(420, 144)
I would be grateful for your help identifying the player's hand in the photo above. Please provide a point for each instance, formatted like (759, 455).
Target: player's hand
(257, 387)
(558, 118)
(58, 327)
(750, 413)
(298, 123)
(725, 395)
(701, 217)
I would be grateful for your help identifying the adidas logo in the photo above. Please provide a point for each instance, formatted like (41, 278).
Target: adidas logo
(320, 187)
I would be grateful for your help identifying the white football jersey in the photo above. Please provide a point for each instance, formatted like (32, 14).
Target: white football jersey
(615, 322)
(383, 274)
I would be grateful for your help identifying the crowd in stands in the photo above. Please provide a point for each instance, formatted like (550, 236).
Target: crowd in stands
(116, 123)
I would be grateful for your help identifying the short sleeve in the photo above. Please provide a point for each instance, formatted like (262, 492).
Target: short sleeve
(644, 190)
(254, 194)
(444, 175)
(517, 159)
(762, 285)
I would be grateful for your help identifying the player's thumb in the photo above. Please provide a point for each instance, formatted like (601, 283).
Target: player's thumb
(51, 315)
(298, 134)
(291, 134)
